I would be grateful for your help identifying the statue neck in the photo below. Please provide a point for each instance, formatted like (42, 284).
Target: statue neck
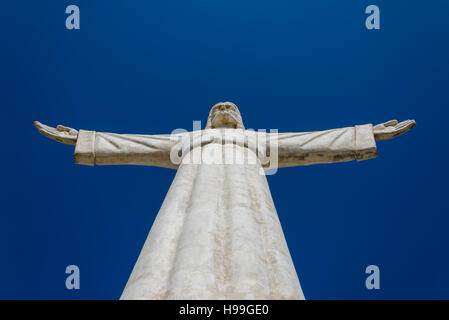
(224, 126)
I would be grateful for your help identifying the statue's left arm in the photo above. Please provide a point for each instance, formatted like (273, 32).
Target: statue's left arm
(336, 145)
(102, 148)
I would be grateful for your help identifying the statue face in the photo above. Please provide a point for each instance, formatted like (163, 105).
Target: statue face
(225, 115)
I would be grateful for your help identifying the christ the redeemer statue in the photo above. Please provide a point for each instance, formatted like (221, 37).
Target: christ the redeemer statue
(217, 234)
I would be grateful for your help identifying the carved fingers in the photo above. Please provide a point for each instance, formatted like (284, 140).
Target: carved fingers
(392, 128)
(61, 133)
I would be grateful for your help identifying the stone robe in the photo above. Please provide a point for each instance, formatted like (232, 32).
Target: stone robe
(217, 234)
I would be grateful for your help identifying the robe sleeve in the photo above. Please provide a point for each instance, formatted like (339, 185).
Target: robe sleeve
(336, 145)
(99, 148)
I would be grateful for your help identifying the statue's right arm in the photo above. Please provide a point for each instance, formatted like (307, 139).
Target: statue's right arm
(101, 148)
(336, 145)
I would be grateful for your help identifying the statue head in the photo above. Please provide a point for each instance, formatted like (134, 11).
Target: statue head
(224, 115)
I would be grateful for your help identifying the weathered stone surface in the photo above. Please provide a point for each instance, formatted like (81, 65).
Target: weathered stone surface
(217, 234)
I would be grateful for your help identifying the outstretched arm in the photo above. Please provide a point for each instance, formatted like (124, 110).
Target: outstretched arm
(336, 145)
(98, 148)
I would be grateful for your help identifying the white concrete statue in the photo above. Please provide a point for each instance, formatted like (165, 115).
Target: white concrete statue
(217, 234)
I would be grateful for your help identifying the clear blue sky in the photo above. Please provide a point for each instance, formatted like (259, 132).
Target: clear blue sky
(153, 66)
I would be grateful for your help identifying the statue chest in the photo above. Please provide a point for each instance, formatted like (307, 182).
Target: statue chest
(223, 147)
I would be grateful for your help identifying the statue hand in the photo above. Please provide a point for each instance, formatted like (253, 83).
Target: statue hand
(392, 128)
(61, 134)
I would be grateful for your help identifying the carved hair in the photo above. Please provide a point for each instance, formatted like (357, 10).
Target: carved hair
(237, 113)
